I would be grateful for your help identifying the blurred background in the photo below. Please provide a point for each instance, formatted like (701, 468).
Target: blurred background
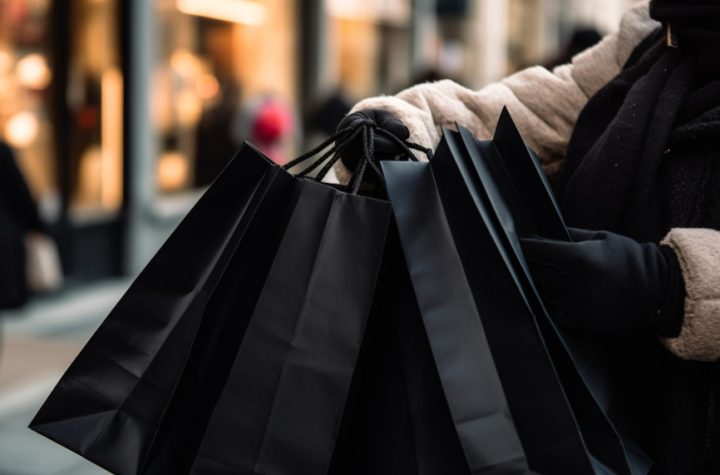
(120, 112)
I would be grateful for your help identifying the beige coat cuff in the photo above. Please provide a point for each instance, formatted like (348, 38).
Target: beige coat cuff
(698, 251)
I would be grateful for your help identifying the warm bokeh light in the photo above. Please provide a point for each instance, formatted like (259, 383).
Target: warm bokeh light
(188, 107)
(33, 71)
(185, 63)
(6, 61)
(173, 171)
(22, 129)
(236, 11)
(111, 142)
(89, 189)
(207, 86)
(394, 11)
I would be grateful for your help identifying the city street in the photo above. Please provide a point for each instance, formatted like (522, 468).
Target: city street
(38, 343)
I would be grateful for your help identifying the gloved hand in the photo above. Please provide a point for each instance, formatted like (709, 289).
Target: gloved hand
(608, 283)
(384, 148)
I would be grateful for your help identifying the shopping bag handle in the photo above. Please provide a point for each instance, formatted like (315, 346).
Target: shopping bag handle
(341, 139)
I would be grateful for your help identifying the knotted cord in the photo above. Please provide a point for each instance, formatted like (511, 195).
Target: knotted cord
(330, 151)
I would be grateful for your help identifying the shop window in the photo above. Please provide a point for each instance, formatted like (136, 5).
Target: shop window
(92, 92)
(25, 79)
(225, 73)
(95, 101)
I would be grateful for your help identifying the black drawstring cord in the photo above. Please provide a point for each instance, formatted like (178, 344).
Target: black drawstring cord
(358, 177)
(404, 145)
(314, 151)
(334, 150)
(427, 151)
(369, 150)
(325, 143)
(340, 140)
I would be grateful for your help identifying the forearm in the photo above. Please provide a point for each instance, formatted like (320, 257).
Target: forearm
(543, 105)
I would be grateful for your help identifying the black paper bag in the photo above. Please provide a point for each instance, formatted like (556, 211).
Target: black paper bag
(513, 175)
(397, 420)
(519, 173)
(542, 413)
(233, 351)
(599, 434)
(453, 328)
(289, 381)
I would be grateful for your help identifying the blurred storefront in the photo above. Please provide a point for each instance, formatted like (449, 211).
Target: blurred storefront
(61, 82)
(122, 112)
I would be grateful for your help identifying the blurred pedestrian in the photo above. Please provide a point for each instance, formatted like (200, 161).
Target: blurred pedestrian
(272, 125)
(630, 132)
(18, 218)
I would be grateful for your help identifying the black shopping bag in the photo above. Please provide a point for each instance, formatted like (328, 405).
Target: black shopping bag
(538, 402)
(233, 351)
(520, 176)
(599, 434)
(281, 405)
(453, 328)
(514, 176)
(397, 420)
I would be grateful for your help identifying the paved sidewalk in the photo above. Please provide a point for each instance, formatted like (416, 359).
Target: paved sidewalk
(38, 343)
(23, 452)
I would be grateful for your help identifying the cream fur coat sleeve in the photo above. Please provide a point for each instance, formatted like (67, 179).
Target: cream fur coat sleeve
(545, 106)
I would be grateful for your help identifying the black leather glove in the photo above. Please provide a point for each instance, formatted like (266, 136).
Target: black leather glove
(605, 282)
(384, 148)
